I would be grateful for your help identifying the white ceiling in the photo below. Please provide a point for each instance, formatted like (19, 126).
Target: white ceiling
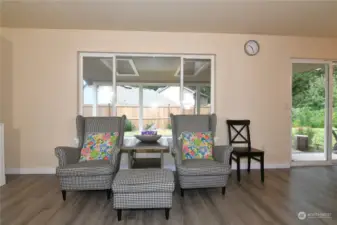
(300, 18)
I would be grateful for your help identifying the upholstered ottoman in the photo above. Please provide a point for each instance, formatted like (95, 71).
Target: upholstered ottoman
(143, 189)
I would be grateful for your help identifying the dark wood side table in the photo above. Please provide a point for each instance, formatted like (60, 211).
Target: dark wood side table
(241, 135)
(141, 147)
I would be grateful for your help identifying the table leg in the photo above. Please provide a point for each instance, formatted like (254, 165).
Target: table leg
(129, 160)
(133, 157)
(162, 159)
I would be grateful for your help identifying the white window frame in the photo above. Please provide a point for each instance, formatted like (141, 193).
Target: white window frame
(130, 61)
(196, 73)
(113, 57)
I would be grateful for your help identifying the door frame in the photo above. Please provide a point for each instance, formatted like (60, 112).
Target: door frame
(328, 113)
(333, 67)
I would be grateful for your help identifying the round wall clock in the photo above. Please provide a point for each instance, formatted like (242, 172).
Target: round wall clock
(252, 47)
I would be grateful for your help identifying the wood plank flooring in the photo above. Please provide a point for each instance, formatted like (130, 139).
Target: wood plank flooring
(37, 200)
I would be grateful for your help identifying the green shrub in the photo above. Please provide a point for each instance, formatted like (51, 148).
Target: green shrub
(334, 118)
(318, 140)
(148, 126)
(305, 117)
(129, 125)
(169, 126)
(308, 131)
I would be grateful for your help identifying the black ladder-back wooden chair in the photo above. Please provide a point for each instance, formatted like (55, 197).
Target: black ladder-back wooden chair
(243, 152)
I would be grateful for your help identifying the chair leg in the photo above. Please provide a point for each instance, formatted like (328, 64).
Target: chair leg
(262, 168)
(167, 213)
(64, 195)
(230, 159)
(119, 214)
(238, 169)
(223, 190)
(181, 192)
(108, 193)
(248, 168)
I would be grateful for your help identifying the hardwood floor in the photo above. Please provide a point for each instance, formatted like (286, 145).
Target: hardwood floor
(37, 200)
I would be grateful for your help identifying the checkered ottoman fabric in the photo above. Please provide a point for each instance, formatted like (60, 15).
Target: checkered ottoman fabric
(143, 188)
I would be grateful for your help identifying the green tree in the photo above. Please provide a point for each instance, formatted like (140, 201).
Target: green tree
(305, 84)
(309, 98)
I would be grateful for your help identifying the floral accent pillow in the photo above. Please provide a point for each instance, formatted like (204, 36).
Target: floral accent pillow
(98, 146)
(197, 145)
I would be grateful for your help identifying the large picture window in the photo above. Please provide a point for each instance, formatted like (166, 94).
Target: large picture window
(146, 88)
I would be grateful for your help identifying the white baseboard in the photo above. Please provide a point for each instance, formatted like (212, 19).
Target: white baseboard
(167, 166)
(30, 170)
(254, 166)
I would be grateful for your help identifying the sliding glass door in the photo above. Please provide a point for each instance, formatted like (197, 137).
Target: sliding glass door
(313, 112)
(309, 103)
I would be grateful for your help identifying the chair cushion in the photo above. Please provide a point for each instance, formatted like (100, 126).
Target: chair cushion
(143, 180)
(88, 168)
(98, 146)
(195, 167)
(197, 145)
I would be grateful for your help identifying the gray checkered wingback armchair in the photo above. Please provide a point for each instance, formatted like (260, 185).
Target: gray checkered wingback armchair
(90, 175)
(199, 173)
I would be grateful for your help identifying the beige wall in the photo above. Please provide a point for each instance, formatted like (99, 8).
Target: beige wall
(1, 70)
(40, 84)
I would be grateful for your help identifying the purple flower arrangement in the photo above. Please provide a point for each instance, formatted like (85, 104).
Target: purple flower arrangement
(149, 132)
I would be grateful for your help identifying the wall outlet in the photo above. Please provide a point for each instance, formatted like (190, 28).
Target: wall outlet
(76, 141)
